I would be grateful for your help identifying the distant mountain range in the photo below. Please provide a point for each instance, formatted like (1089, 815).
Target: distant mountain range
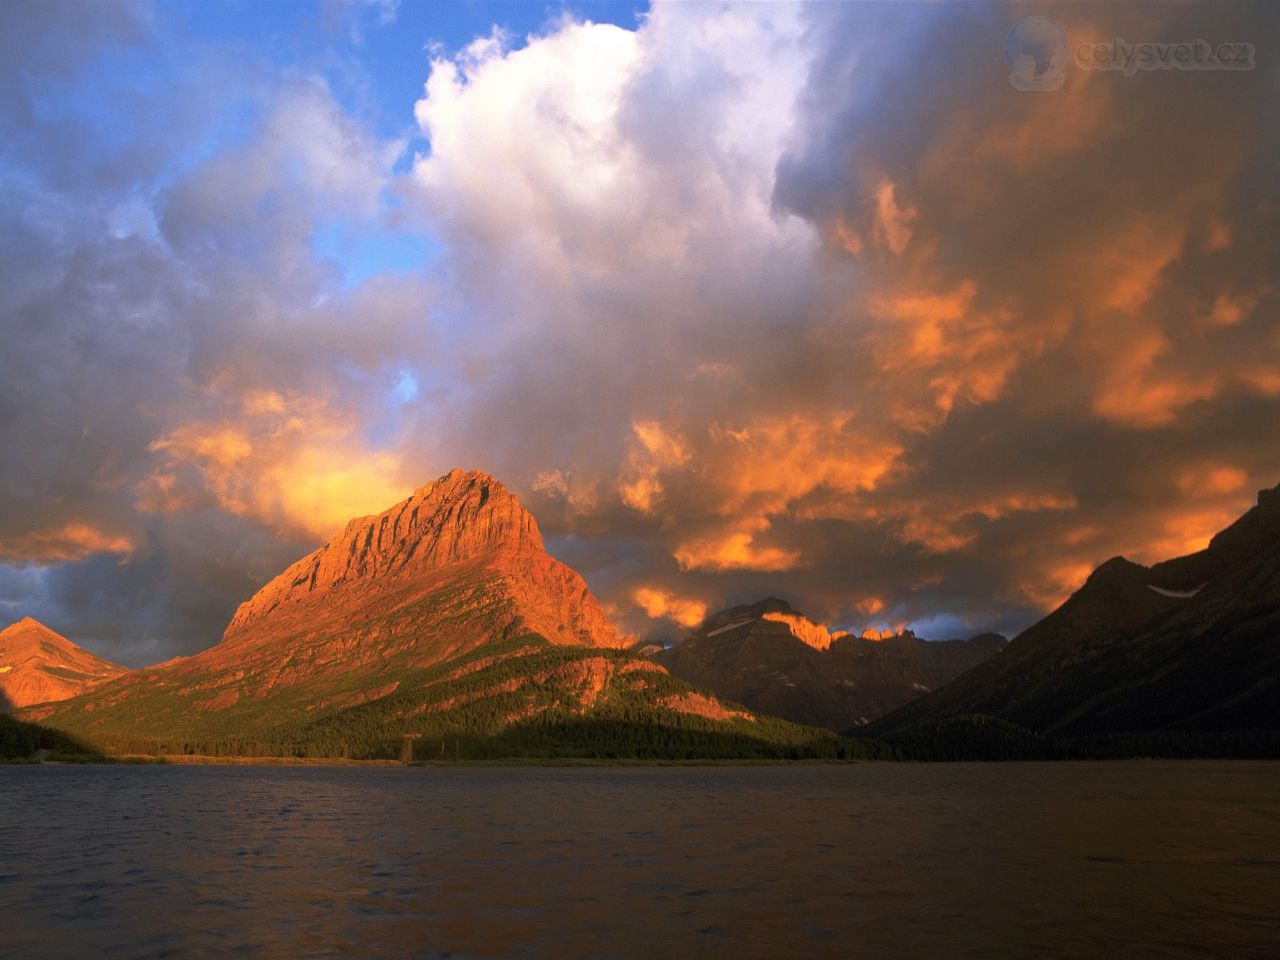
(775, 660)
(37, 664)
(1182, 658)
(438, 629)
(442, 629)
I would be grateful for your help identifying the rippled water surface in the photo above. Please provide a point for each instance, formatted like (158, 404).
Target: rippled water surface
(1119, 860)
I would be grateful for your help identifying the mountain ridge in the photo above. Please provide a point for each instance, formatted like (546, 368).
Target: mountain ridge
(771, 658)
(1184, 651)
(441, 620)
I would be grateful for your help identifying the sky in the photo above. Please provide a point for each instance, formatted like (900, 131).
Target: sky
(815, 301)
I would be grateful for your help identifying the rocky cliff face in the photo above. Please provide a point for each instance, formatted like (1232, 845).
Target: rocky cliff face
(777, 661)
(461, 516)
(463, 525)
(38, 666)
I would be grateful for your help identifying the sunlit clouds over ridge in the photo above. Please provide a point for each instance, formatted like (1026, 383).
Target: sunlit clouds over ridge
(742, 300)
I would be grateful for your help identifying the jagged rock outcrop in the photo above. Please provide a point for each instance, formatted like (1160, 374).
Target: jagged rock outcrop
(462, 523)
(38, 665)
(805, 630)
(777, 661)
(1184, 655)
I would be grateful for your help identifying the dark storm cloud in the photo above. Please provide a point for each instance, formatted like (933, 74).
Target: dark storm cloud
(1022, 333)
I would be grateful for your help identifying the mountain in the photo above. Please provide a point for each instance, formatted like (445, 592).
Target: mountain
(462, 529)
(37, 665)
(439, 628)
(776, 661)
(1179, 658)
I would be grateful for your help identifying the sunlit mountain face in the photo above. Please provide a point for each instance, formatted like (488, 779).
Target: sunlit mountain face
(909, 314)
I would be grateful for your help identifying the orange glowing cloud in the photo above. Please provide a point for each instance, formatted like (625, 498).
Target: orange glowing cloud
(220, 446)
(772, 461)
(1227, 311)
(72, 541)
(1128, 268)
(870, 606)
(1145, 398)
(739, 476)
(893, 223)
(659, 604)
(1135, 390)
(1210, 480)
(1047, 588)
(1183, 531)
(752, 472)
(737, 550)
(945, 524)
(925, 318)
(941, 339)
(290, 462)
(653, 450)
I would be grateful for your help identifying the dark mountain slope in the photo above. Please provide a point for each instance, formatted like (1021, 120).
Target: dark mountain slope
(1185, 651)
(774, 660)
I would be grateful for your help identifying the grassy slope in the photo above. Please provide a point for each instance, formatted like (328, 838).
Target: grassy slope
(520, 697)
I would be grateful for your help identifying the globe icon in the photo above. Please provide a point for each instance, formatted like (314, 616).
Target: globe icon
(1037, 51)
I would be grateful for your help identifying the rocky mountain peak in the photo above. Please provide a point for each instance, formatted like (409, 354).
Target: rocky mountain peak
(29, 632)
(38, 665)
(769, 654)
(1117, 569)
(464, 515)
(464, 527)
(747, 612)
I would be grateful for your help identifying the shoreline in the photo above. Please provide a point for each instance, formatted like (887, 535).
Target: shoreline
(200, 760)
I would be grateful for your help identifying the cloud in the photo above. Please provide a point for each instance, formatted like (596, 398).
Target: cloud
(893, 223)
(188, 394)
(653, 450)
(71, 541)
(291, 462)
(750, 300)
(748, 316)
(735, 549)
(1210, 479)
(659, 603)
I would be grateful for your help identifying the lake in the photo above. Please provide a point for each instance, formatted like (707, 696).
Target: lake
(1119, 859)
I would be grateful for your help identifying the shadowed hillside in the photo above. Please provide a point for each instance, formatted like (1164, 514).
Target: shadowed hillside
(20, 741)
(775, 660)
(1182, 658)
